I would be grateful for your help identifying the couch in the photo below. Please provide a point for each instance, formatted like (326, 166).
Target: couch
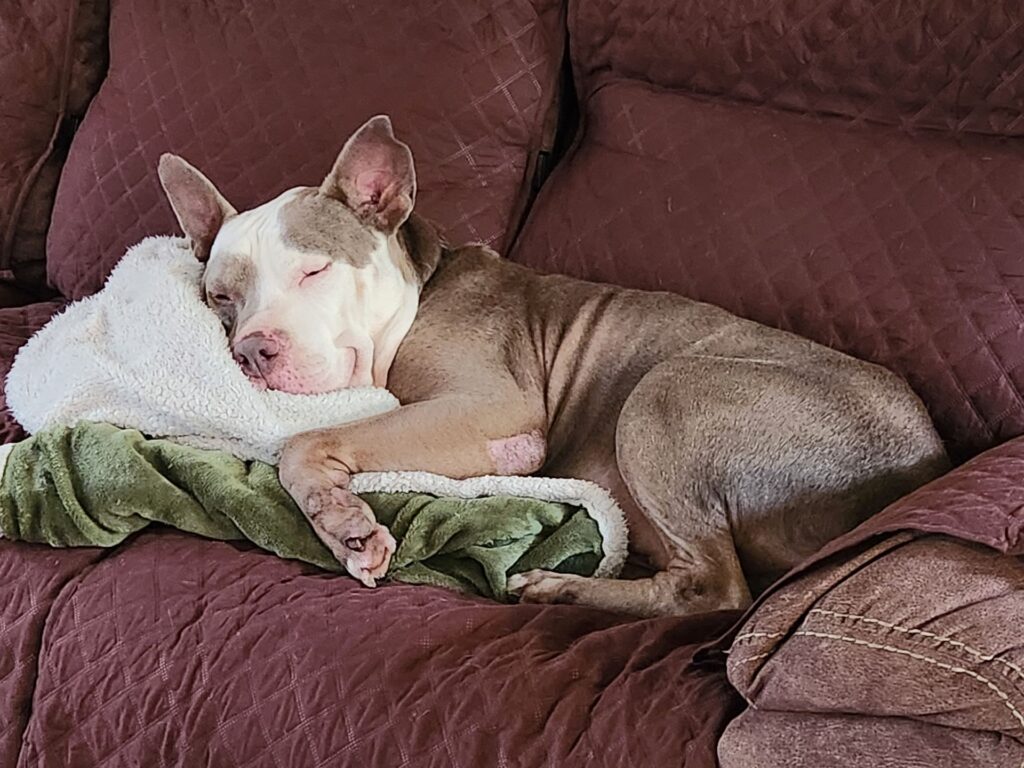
(850, 170)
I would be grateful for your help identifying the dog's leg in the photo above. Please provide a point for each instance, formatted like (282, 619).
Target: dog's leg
(669, 475)
(730, 456)
(456, 436)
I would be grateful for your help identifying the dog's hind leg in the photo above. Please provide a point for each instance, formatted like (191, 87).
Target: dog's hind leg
(745, 467)
(668, 470)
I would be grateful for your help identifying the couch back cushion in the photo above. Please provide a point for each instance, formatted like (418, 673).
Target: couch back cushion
(52, 56)
(261, 96)
(840, 169)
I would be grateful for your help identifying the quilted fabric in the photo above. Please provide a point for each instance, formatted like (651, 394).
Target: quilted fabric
(32, 578)
(948, 64)
(175, 651)
(861, 641)
(899, 247)
(16, 326)
(52, 54)
(261, 96)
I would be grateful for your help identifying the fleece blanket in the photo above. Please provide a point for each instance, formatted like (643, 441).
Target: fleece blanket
(96, 484)
(146, 357)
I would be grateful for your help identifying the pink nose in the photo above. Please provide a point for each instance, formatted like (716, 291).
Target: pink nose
(257, 354)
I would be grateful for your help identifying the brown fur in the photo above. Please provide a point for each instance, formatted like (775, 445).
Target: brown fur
(736, 449)
(319, 224)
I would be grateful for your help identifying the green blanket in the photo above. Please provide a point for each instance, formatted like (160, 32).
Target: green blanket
(95, 485)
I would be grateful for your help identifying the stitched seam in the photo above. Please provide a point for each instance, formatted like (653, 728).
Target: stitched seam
(761, 635)
(1007, 702)
(749, 659)
(979, 655)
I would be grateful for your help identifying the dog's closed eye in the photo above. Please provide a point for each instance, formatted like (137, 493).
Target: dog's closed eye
(315, 272)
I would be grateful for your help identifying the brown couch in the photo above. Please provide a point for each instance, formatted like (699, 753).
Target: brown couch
(847, 169)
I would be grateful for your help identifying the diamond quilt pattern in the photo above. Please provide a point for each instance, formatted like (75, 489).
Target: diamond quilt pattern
(179, 651)
(51, 59)
(906, 250)
(949, 64)
(261, 96)
(32, 578)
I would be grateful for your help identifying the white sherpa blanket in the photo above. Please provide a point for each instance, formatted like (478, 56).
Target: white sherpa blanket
(146, 353)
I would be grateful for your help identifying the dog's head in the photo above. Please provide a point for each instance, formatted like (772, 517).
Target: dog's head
(315, 288)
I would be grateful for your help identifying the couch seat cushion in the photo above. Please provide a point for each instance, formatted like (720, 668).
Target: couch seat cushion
(261, 96)
(179, 651)
(31, 579)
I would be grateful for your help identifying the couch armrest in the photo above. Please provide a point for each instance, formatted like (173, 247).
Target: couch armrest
(894, 621)
(925, 629)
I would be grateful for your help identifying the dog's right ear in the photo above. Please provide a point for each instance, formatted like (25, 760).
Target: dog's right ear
(200, 208)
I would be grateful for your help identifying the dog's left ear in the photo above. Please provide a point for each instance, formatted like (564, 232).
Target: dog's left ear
(374, 176)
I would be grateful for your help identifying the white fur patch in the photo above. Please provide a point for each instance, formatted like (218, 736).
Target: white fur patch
(342, 326)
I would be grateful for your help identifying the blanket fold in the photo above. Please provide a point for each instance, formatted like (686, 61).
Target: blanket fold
(95, 485)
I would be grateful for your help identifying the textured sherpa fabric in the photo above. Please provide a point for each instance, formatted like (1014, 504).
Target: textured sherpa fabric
(95, 484)
(146, 353)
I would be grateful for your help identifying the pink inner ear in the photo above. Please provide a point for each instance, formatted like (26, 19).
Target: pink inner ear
(370, 186)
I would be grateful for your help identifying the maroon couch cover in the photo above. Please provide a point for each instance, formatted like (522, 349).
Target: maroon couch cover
(52, 55)
(839, 168)
(261, 95)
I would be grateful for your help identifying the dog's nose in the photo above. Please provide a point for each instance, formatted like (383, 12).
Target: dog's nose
(256, 353)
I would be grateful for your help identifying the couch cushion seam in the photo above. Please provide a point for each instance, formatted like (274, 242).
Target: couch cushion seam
(1007, 702)
(758, 635)
(749, 659)
(979, 655)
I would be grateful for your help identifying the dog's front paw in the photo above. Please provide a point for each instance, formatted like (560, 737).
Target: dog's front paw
(345, 523)
(309, 467)
(545, 587)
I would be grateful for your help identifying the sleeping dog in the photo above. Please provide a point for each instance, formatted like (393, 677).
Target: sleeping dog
(736, 450)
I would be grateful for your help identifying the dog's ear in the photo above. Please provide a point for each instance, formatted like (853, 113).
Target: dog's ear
(374, 176)
(200, 208)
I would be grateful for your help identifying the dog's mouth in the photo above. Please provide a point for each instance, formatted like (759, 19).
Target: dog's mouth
(292, 381)
(259, 383)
